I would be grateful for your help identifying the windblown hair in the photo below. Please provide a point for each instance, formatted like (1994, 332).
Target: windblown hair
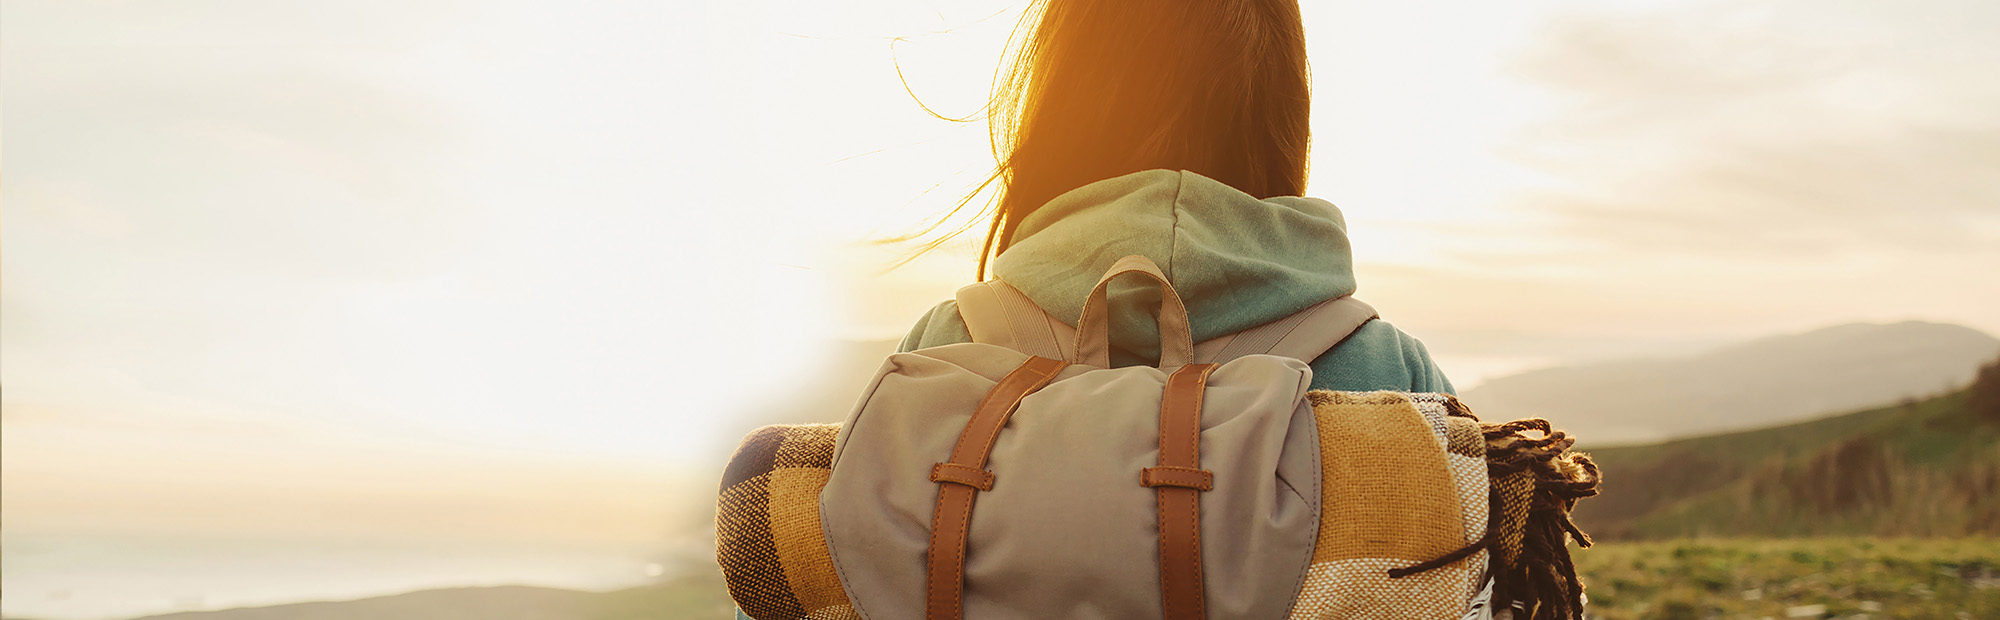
(1103, 88)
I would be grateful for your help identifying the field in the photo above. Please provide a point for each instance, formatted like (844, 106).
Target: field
(1856, 578)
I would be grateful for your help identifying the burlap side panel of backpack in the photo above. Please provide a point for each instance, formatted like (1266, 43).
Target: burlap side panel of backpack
(767, 534)
(1402, 485)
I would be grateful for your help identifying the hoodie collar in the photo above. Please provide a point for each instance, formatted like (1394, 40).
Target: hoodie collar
(1236, 261)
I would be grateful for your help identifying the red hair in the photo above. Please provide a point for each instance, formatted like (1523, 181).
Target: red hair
(1103, 88)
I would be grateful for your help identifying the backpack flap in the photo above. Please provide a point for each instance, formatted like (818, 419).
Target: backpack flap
(1062, 522)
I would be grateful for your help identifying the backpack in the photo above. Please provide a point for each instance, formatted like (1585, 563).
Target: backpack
(1215, 485)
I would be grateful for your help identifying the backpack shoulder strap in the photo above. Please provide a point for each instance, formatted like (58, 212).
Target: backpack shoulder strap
(1001, 315)
(1305, 335)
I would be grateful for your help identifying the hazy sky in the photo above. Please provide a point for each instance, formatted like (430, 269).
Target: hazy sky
(249, 244)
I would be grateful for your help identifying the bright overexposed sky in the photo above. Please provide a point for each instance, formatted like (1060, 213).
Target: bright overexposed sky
(250, 244)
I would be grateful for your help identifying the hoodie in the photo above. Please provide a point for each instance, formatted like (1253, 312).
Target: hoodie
(1236, 261)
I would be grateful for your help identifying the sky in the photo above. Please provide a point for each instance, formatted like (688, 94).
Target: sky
(321, 261)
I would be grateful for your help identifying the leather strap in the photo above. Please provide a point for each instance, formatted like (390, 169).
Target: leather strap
(962, 478)
(1179, 480)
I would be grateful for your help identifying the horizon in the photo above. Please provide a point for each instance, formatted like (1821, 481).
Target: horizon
(382, 271)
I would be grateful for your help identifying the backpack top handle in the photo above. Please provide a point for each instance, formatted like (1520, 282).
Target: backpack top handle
(1093, 329)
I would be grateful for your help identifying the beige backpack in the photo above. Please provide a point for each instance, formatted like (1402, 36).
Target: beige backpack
(1019, 477)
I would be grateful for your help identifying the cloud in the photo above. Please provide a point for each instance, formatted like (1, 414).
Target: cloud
(236, 163)
(1770, 130)
(1926, 191)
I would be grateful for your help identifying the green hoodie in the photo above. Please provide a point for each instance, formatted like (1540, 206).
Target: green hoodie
(1238, 262)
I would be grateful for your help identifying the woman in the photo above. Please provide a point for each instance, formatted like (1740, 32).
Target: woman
(1178, 131)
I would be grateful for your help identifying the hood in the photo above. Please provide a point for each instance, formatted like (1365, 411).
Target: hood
(1236, 261)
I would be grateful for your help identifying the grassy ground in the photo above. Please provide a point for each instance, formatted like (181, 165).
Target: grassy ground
(1854, 578)
(1945, 579)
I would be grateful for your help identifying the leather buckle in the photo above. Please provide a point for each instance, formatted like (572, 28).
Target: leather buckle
(1169, 476)
(960, 474)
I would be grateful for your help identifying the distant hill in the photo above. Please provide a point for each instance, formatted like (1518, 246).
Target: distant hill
(1758, 383)
(699, 596)
(1924, 468)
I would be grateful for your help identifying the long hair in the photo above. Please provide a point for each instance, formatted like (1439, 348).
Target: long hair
(1103, 88)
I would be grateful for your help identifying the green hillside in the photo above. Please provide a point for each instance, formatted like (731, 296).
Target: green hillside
(1922, 468)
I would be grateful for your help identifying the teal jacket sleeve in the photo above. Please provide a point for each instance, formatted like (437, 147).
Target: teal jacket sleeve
(1379, 357)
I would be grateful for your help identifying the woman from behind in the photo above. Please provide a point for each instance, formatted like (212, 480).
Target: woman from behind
(1175, 130)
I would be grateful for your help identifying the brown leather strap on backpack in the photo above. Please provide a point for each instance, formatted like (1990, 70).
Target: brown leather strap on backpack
(1179, 480)
(962, 478)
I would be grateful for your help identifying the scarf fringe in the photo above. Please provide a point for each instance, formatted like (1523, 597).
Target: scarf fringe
(1533, 572)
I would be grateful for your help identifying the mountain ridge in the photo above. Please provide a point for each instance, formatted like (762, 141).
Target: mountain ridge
(1760, 382)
